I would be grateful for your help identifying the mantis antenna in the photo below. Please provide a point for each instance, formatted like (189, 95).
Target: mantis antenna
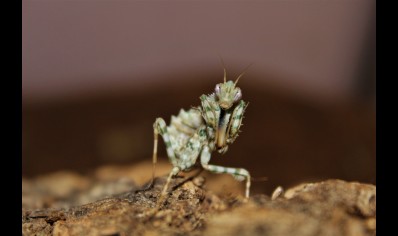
(244, 71)
(225, 71)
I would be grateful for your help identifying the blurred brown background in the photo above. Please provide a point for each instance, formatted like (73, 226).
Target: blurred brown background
(96, 74)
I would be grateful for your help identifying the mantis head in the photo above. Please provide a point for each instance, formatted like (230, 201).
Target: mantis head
(228, 93)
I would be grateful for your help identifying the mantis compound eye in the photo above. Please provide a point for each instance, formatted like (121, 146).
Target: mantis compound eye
(238, 95)
(217, 89)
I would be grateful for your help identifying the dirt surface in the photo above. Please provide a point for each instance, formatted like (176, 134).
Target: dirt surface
(105, 203)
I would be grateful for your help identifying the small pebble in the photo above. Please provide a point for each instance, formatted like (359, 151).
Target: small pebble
(199, 181)
(277, 192)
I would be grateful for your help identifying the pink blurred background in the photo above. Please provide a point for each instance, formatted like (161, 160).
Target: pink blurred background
(93, 70)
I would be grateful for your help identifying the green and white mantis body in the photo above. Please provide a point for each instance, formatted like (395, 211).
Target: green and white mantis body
(198, 132)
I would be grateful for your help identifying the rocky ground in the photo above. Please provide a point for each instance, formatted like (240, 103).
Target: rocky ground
(110, 201)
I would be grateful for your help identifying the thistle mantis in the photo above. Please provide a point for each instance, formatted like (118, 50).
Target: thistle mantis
(194, 134)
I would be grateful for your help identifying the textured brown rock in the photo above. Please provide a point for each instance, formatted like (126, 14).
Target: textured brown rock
(333, 207)
(103, 206)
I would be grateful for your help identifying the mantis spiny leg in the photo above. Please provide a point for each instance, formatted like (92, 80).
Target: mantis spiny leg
(238, 173)
(173, 172)
(159, 127)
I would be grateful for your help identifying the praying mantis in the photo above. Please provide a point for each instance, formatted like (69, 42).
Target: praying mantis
(193, 135)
